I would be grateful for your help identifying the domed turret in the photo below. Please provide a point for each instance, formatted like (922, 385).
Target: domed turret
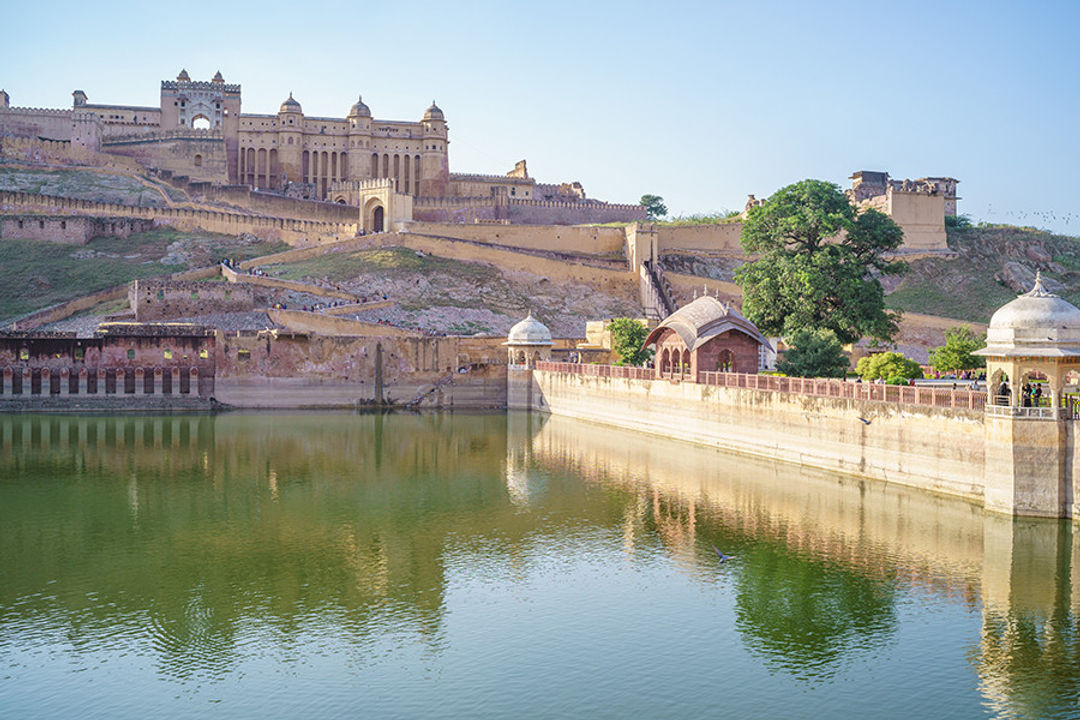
(528, 342)
(1036, 324)
(359, 109)
(290, 105)
(218, 77)
(434, 113)
(183, 76)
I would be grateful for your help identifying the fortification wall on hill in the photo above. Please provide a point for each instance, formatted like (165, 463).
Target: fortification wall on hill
(264, 203)
(37, 122)
(166, 298)
(271, 228)
(69, 229)
(34, 151)
(718, 237)
(198, 156)
(546, 212)
(552, 238)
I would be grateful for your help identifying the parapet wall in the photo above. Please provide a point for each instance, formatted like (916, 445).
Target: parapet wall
(545, 212)
(718, 238)
(552, 238)
(36, 122)
(270, 228)
(936, 449)
(262, 202)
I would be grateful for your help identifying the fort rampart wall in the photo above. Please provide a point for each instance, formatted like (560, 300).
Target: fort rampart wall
(270, 228)
(550, 212)
(930, 448)
(554, 238)
(265, 281)
(34, 151)
(69, 229)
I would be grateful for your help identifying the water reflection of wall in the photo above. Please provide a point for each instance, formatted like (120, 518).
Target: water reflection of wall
(823, 554)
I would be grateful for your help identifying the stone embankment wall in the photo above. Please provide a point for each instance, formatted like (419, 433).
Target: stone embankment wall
(280, 369)
(936, 449)
(229, 223)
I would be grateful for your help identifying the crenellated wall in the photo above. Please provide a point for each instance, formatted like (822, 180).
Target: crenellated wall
(272, 228)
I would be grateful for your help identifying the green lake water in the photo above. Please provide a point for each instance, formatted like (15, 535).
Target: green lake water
(502, 566)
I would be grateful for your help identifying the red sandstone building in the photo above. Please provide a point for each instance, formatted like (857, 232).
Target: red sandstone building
(707, 336)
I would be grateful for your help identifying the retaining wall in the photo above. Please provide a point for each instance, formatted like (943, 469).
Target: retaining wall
(553, 238)
(936, 449)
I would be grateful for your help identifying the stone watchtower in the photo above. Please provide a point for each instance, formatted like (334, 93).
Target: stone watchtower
(434, 158)
(1033, 372)
(359, 120)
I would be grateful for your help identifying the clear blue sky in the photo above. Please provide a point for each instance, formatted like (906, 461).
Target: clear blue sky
(701, 103)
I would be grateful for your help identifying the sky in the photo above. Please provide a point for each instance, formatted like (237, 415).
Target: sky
(701, 103)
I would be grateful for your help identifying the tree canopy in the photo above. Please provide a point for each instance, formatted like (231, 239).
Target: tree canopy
(814, 353)
(654, 206)
(627, 340)
(892, 367)
(819, 260)
(955, 354)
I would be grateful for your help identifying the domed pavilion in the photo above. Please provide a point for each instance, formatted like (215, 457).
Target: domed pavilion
(1035, 337)
(528, 342)
(706, 336)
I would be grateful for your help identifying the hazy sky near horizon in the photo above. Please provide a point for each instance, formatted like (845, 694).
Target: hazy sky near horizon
(700, 102)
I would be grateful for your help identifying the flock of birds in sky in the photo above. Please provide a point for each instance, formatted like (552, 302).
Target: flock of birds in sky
(1038, 218)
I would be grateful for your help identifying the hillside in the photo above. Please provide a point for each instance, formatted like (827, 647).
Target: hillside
(35, 274)
(87, 184)
(439, 294)
(992, 266)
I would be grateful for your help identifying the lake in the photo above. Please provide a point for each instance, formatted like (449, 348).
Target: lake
(497, 566)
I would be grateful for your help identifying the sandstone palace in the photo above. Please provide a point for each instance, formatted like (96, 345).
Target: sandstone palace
(391, 169)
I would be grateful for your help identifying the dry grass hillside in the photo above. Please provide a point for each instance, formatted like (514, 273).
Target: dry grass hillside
(440, 294)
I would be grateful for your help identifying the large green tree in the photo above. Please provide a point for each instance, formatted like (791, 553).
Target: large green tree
(818, 263)
(955, 354)
(627, 340)
(654, 206)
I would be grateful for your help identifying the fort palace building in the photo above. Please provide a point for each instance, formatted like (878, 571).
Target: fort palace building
(199, 131)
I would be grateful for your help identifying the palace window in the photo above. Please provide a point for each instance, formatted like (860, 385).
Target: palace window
(131, 354)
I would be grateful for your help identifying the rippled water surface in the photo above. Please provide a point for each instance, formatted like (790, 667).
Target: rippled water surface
(490, 566)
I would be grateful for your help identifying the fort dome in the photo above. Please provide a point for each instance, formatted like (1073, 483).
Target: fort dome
(1036, 324)
(704, 319)
(529, 331)
(290, 105)
(218, 77)
(359, 109)
(183, 76)
(434, 113)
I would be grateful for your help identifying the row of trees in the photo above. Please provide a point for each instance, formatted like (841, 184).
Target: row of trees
(816, 282)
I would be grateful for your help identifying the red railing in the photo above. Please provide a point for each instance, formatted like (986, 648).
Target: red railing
(814, 387)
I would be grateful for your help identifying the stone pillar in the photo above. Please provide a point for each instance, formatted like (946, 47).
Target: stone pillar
(157, 382)
(46, 382)
(102, 381)
(176, 381)
(9, 381)
(84, 376)
(1027, 470)
(65, 382)
(140, 380)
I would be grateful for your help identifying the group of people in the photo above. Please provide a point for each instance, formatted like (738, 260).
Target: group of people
(1031, 394)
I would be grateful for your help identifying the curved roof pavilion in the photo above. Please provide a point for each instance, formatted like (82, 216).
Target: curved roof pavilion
(702, 320)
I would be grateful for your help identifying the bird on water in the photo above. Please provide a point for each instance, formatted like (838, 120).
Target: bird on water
(722, 556)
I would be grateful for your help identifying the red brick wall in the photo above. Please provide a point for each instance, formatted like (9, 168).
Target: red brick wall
(743, 347)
